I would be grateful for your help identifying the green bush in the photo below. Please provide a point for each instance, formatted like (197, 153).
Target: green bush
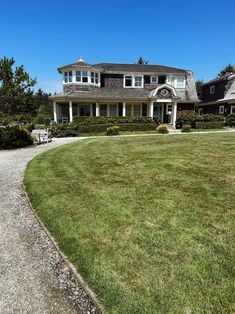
(113, 120)
(230, 120)
(191, 119)
(113, 130)
(14, 137)
(131, 127)
(162, 129)
(39, 126)
(64, 130)
(210, 125)
(29, 127)
(186, 128)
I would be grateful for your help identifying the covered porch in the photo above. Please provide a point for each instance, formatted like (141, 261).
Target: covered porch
(166, 111)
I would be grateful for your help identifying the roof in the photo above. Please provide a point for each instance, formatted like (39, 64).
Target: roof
(226, 77)
(146, 68)
(122, 67)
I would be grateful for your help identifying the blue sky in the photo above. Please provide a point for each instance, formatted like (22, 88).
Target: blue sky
(42, 35)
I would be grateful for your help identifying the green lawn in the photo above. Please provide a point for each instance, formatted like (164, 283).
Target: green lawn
(147, 221)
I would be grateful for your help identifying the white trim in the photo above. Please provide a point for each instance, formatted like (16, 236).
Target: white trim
(151, 109)
(174, 114)
(231, 109)
(221, 109)
(81, 83)
(153, 92)
(70, 111)
(91, 110)
(55, 111)
(97, 109)
(123, 109)
(212, 89)
(133, 75)
(151, 79)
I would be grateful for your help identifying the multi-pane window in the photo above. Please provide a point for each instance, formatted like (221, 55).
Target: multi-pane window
(221, 109)
(138, 81)
(136, 110)
(66, 77)
(94, 78)
(128, 110)
(78, 76)
(154, 79)
(212, 89)
(84, 76)
(70, 76)
(112, 110)
(103, 110)
(177, 81)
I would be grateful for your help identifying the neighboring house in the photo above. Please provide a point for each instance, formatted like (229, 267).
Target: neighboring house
(112, 89)
(218, 96)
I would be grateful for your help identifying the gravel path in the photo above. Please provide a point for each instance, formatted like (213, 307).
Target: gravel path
(33, 277)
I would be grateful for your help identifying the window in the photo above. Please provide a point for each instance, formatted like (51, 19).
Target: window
(212, 89)
(94, 78)
(180, 81)
(232, 109)
(138, 81)
(112, 110)
(78, 76)
(128, 81)
(66, 77)
(84, 76)
(169, 109)
(103, 110)
(128, 110)
(221, 109)
(177, 81)
(70, 76)
(161, 79)
(154, 79)
(136, 110)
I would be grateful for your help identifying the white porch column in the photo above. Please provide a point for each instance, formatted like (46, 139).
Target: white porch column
(91, 110)
(108, 111)
(97, 109)
(123, 109)
(151, 109)
(55, 111)
(70, 111)
(174, 114)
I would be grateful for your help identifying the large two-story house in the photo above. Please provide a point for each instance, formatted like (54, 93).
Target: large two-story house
(218, 96)
(112, 89)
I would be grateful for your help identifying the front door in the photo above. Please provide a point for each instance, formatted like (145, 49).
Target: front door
(157, 111)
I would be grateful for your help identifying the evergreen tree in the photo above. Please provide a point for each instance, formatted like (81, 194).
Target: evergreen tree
(226, 70)
(16, 93)
(199, 88)
(141, 61)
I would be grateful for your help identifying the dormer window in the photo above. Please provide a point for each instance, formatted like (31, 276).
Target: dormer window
(154, 79)
(68, 76)
(133, 81)
(94, 78)
(84, 76)
(212, 89)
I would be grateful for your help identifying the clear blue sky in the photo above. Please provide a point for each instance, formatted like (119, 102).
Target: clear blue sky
(42, 35)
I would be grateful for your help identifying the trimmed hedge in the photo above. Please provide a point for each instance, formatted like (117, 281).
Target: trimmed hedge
(191, 119)
(186, 128)
(210, 125)
(230, 120)
(14, 137)
(162, 129)
(64, 130)
(100, 128)
(113, 120)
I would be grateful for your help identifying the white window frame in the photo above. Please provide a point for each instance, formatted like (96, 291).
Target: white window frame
(173, 81)
(177, 85)
(212, 89)
(79, 73)
(169, 112)
(154, 77)
(232, 110)
(133, 80)
(221, 109)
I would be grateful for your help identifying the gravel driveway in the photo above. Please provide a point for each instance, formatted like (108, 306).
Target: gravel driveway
(33, 278)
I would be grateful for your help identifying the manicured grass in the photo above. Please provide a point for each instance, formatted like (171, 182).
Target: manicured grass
(146, 220)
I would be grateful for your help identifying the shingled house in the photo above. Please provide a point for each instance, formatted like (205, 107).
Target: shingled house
(112, 89)
(218, 96)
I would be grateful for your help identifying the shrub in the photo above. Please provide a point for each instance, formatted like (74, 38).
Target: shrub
(14, 137)
(186, 128)
(230, 120)
(39, 126)
(191, 119)
(29, 127)
(113, 120)
(210, 125)
(113, 130)
(162, 129)
(64, 130)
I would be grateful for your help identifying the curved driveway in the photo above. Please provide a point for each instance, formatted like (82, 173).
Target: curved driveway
(32, 277)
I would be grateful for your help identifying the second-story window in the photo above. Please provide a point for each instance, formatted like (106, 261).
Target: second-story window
(128, 81)
(94, 78)
(138, 81)
(66, 77)
(82, 76)
(154, 79)
(212, 89)
(78, 76)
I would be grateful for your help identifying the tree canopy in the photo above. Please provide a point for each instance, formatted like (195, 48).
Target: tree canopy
(16, 88)
(199, 88)
(227, 69)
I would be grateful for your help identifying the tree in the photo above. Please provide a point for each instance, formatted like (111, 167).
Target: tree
(141, 61)
(199, 88)
(16, 93)
(226, 70)
(42, 104)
